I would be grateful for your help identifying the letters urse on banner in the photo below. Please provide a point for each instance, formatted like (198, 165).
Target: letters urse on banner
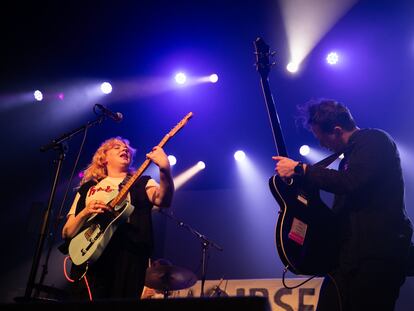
(304, 297)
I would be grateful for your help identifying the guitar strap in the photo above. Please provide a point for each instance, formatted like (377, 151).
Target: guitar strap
(123, 183)
(328, 160)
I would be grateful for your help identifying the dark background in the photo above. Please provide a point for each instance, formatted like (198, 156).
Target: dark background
(71, 47)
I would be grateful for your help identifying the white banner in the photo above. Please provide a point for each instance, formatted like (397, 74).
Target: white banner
(302, 298)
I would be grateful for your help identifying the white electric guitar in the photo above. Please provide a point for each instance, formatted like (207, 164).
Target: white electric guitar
(90, 242)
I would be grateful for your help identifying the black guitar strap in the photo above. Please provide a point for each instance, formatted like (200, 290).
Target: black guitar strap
(328, 160)
(123, 183)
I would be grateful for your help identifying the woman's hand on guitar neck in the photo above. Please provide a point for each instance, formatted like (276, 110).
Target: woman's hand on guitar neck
(285, 167)
(159, 157)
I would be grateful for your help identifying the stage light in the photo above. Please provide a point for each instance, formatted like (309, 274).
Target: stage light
(239, 155)
(332, 58)
(38, 95)
(341, 156)
(304, 150)
(106, 87)
(292, 67)
(180, 78)
(61, 96)
(213, 78)
(172, 160)
(201, 165)
(185, 176)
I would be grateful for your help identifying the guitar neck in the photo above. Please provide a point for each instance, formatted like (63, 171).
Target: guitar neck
(263, 66)
(274, 119)
(124, 191)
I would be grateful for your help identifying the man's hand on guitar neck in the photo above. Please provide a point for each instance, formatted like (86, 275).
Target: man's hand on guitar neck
(286, 167)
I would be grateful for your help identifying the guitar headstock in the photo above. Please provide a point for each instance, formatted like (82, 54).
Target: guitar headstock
(180, 124)
(263, 54)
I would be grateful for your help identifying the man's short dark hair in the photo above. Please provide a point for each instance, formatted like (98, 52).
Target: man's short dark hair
(326, 114)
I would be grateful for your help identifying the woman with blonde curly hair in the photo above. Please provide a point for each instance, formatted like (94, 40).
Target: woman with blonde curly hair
(119, 272)
(97, 169)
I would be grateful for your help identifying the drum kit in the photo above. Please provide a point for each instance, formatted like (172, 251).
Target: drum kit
(167, 278)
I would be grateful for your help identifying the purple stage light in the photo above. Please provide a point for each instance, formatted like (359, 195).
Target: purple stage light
(332, 58)
(213, 78)
(38, 95)
(304, 150)
(239, 155)
(106, 87)
(172, 160)
(180, 78)
(292, 67)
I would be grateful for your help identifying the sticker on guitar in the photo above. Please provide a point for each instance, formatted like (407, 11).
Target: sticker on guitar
(298, 231)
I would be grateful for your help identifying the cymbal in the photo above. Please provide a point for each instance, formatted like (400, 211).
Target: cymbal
(169, 278)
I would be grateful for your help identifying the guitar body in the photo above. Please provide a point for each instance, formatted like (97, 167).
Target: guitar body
(89, 243)
(306, 236)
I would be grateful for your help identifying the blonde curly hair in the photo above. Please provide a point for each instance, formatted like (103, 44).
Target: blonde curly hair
(96, 170)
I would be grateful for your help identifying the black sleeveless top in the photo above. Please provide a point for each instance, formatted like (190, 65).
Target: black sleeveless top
(138, 232)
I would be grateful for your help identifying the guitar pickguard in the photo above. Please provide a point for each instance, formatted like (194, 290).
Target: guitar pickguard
(88, 245)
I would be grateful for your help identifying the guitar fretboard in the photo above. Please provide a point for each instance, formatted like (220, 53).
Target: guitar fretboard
(124, 191)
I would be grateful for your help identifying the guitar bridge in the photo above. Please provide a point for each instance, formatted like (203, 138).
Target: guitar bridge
(93, 233)
(92, 238)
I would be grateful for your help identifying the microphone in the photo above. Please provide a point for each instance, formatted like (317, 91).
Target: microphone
(116, 116)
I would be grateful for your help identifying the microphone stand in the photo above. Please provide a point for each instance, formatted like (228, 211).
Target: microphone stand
(60, 145)
(205, 243)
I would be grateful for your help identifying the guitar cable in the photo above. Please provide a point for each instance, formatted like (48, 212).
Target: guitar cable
(307, 280)
(83, 276)
(296, 286)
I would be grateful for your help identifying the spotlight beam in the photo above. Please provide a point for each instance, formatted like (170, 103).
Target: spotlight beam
(306, 22)
(185, 176)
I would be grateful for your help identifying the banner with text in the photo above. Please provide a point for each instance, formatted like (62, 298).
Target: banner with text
(304, 297)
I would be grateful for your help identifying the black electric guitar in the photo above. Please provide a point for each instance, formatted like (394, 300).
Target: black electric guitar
(90, 242)
(306, 238)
